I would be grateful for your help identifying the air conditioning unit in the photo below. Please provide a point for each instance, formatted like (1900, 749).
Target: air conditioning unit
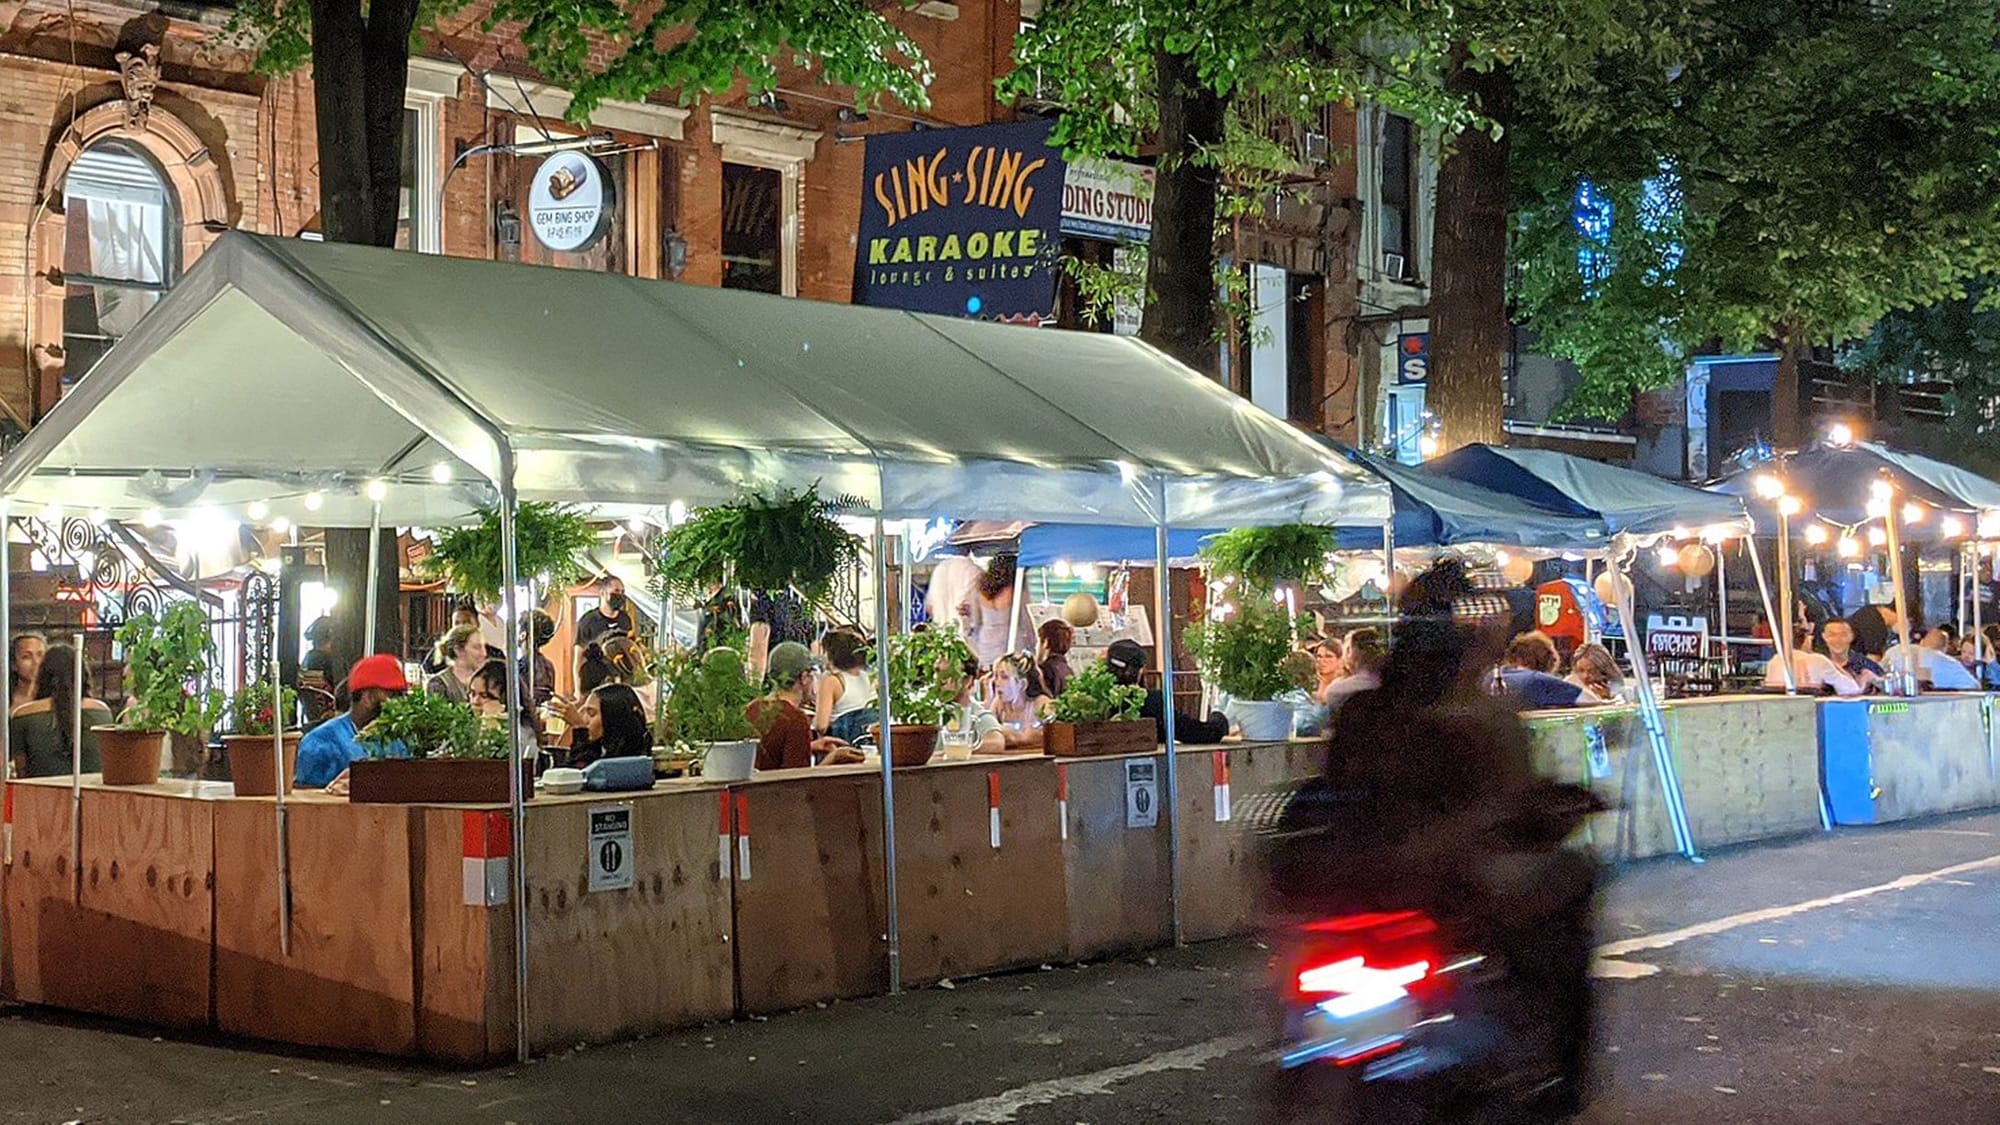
(1315, 148)
(1395, 265)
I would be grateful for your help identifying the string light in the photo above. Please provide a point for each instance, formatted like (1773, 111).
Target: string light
(1877, 537)
(1840, 434)
(441, 472)
(1913, 512)
(377, 489)
(258, 511)
(315, 500)
(1952, 526)
(1768, 486)
(1428, 446)
(1850, 547)
(1669, 556)
(1816, 534)
(1061, 568)
(1501, 558)
(1790, 505)
(1882, 490)
(281, 525)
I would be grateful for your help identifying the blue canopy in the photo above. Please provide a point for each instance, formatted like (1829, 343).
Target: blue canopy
(1044, 544)
(1628, 501)
(1434, 511)
(1835, 483)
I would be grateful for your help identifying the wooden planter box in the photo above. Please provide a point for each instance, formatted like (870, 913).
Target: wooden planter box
(1096, 740)
(434, 781)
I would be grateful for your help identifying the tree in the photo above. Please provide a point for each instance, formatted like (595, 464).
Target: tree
(1832, 163)
(359, 51)
(1174, 78)
(1954, 343)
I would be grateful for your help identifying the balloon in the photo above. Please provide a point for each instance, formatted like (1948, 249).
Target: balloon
(1697, 560)
(1607, 592)
(1080, 610)
(1518, 570)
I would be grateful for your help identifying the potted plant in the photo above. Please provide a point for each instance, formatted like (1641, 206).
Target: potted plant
(1248, 655)
(1097, 715)
(249, 743)
(769, 541)
(1266, 559)
(924, 677)
(551, 542)
(703, 711)
(169, 657)
(426, 748)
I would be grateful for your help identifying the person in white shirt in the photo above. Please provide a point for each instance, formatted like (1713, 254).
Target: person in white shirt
(1814, 673)
(1935, 668)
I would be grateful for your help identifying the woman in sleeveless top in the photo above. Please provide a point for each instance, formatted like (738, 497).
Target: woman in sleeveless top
(845, 706)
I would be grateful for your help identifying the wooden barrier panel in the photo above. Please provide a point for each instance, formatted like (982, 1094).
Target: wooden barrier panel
(347, 981)
(1749, 766)
(1605, 749)
(1116, 878)
(147, 907)
(44, 923)
(811, 919)
(1929, 755)
(462, 933)
(972, 901)
(1222, 882)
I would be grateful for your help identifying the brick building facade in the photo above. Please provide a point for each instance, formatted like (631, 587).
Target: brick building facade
(131, 136)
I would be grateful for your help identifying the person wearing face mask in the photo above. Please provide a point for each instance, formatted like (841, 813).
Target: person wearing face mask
(612, 617)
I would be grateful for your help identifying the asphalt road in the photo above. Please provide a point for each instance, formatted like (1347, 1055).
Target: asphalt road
(1850, 979)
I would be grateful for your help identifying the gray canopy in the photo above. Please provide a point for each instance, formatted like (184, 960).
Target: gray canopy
(278, 368)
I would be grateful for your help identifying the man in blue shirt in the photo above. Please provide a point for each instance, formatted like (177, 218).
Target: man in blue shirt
(1528, 675)
(329, 748)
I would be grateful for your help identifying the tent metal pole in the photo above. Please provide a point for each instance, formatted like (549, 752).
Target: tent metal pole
(7, 632)
(1389, 578)
(1785, 638)
(894, 938)
(1722, 602)
(1652, 717)
(1163, 635)
(375, 575)
(1015, 608)
(76, 766)
(1981, 652)
(1770, 614)
(1961, 590)
(282, 778)
(517, 799)
(1895, 543)
(906, 564)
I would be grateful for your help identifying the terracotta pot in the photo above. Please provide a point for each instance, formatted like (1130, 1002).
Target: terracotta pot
(250, 762)
(129, 757)
(1102, 739)
(911, 744)
(434, 781)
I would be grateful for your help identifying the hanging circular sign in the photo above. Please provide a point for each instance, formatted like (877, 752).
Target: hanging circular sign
(570, 202)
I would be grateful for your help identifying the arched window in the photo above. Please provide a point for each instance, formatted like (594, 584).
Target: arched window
(121, 248)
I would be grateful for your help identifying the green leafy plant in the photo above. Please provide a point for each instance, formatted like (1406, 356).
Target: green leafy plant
(551, 542)
(170, 656)
(250, 709)
(1094, 695)
(1245, 653)
(706, 697)
(1265, 558)
(432, 726)
(924, 673)
(767, 541)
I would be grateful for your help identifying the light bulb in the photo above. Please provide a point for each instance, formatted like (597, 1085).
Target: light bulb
(1877, 537)
(99, 515)
(1680, 532)
(281, 525)
(377, 489)
(441, 472)
(1427, 445)
(1062, 568)
(315, 500)
(1278, 597)
(1768, 486)
(1715, 533)
(1815, 534)
(1087, 574)
(1790, 506)
(1850, 547)
(1952, 526)
(1882, 490)
(151, 517)
(258, 511)
(1501, 558)
(1840, 433)
(1913, 512)
(1669, 556)
(1878, 509)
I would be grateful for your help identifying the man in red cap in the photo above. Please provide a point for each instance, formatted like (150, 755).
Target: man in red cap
(328, 749)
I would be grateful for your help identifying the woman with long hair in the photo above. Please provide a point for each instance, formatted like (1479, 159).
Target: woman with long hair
(463, 652)
(1595, 670)
(1020, 701)
(1052, 654)
(488, 693)
(613, 725)
(24, 659)
(44, 729)
(844, 704)
(988, 609)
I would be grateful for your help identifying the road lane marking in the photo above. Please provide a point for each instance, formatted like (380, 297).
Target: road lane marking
(1004, 1107)
(1606, 963)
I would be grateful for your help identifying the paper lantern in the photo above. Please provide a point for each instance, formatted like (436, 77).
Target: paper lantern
(1608, 593)
(1518, 570)
(1697, 560)
(1080, 610)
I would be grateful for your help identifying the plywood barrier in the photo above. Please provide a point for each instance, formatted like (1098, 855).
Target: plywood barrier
(462, 933)
(972, 898)
(1605, 749)
(1222, 879)
(44, 922)
(147, 906)
(347, 980)
(811, 920)
(1749, 767)
(1116, 877)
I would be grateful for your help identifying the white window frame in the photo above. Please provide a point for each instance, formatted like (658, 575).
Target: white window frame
(784, 149)
(1377, 287)
(429, 84)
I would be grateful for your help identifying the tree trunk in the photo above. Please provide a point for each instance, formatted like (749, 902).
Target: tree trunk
(1469, 325)
(361, 69)
(1180, 266)
(1787, 397)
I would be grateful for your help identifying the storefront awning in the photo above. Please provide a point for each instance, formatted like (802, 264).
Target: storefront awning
(281, 369)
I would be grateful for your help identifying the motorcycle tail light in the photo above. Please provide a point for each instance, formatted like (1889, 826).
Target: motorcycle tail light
(1357, 964)
(1352, 986)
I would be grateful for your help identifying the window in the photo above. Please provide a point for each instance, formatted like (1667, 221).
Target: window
(120, 250)
(1398, 195)
(417, 190)
(752, 229)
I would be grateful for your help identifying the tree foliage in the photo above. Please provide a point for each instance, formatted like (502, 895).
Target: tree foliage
(1832, 162)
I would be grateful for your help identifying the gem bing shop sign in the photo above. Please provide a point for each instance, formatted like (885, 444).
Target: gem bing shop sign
(570, 202)
(962, 222)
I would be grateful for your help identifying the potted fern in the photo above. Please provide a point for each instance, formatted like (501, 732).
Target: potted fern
(551, 542)
(1096, 715)
(424, 748)
(169, 657)
(769, 541)
(925, 673)
(251, 741)
(704, 711)
(1248, 655)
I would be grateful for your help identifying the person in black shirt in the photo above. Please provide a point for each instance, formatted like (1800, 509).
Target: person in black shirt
(1127, 661)
(612, 617)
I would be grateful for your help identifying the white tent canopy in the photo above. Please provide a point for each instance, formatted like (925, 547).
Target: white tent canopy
(279, 368)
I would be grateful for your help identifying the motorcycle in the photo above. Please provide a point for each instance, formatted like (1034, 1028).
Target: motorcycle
(1387, 1010)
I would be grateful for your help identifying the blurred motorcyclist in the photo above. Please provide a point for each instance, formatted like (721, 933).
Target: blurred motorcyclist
(1440, 809)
